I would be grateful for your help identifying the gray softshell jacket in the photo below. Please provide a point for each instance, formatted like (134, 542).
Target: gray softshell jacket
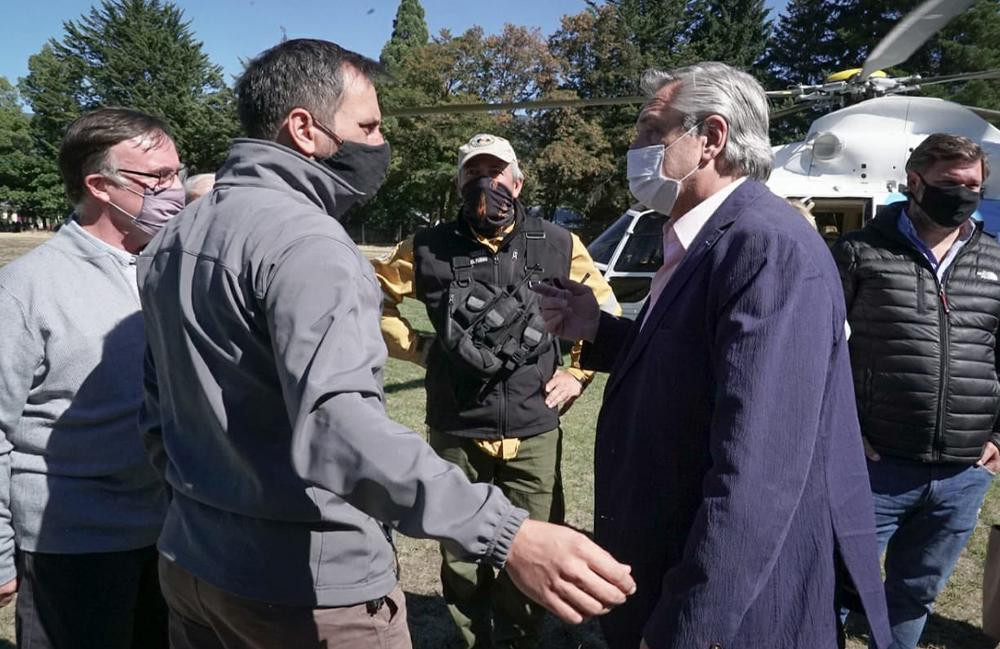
(264, 406)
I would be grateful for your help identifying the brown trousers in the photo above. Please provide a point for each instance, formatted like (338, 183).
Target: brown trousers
(204, 617)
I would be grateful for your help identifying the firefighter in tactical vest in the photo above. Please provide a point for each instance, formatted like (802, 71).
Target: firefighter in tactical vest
(494, 388)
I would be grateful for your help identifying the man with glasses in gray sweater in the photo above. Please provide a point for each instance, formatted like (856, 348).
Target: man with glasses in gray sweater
(80, 505)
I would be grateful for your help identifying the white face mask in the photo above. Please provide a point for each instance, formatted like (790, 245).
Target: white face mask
(646, 180)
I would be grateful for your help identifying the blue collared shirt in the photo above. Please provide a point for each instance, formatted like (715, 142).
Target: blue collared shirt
(905, 226)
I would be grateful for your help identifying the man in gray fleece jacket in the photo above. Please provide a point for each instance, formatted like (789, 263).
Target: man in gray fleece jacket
(264, 400)
(78, 497)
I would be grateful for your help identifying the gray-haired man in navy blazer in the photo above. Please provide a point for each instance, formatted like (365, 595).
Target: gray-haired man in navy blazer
(729, 467)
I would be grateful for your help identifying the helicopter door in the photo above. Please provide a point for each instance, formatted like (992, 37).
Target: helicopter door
(835, 216)
(638, 260)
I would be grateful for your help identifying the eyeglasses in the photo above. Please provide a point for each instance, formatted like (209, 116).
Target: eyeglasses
(328, 131)
(164, 177)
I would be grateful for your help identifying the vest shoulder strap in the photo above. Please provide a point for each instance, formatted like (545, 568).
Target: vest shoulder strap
(534, 242)
(461, 269)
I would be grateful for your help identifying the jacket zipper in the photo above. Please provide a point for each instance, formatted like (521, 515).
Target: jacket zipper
(944, 354)
(944, 327)
(921, 298)
(502, 400)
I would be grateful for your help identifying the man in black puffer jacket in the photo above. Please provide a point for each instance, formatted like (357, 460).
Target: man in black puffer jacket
(922, 285)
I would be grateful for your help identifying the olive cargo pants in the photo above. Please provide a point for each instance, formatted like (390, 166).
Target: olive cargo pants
(487, 607)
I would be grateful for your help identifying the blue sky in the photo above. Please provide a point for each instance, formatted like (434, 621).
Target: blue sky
(235, 29)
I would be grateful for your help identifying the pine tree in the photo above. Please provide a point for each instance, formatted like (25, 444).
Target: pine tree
(409, 31)
(28, 181)
(804, 45)
(136, 53)
(731, 31)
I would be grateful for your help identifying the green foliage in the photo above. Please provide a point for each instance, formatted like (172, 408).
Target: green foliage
(472, 67)
(409, 31)
(574, 156)
(136, 53)
(605, 50)
(28, 181)
(734, 31)
(142, 53)
(817, 37)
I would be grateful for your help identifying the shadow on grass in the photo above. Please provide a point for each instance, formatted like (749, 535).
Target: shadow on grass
(431, 628)
(430, 625)
(954, 634)
(940, 632)
(404, 385)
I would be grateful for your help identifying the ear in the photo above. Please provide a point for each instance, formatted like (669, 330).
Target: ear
(299, 133)
(716, 134)
(96, 185)
(913, 182)
(518, 186)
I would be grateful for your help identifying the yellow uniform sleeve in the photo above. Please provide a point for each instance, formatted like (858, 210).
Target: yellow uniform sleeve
(395, 276)
(581, 267)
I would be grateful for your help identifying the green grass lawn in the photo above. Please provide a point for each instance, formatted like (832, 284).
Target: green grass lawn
(955, 625)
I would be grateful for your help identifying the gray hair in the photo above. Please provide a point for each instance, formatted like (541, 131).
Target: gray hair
(712, 88)
(515, 170)
(300, 73)
(197, 186)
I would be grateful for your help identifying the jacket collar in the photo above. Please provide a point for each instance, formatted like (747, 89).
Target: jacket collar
(463, 228)
(262, 163)
(887, 225)
(74, 240)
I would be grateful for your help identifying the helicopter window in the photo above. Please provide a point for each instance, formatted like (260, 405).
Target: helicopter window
(835, 216)
(643, 252)
(603, 246)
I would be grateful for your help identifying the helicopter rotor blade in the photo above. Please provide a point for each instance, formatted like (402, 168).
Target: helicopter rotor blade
(911, 32)
(515, 105)
(791, 110)
(983, 112)
(967, 76)
(792, 92)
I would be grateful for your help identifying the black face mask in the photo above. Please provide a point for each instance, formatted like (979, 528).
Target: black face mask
(362, 166)
(949, 206)
(487, 206)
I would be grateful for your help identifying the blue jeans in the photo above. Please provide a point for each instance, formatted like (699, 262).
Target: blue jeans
(924, 515)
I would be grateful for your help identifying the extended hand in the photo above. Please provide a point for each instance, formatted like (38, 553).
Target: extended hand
(570, 312)
(566, 572)
(562, 388)
(990, 459)
(7, 592)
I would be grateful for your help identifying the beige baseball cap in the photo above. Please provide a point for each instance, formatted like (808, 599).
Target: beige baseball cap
(486, 144)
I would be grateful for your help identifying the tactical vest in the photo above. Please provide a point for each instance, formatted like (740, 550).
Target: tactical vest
(488, 366)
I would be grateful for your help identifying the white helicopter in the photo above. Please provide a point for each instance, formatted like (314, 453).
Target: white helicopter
(850, 164)
(852, 161)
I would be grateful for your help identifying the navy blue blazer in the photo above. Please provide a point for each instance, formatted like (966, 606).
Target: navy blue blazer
(729, 470)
